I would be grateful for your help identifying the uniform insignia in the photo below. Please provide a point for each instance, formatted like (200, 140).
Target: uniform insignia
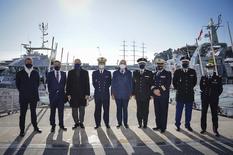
(147, 76)
(191, 75)
(163, 76)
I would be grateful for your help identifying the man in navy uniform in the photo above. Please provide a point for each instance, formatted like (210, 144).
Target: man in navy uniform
(122, 91)
(101, 80)
(142, 80)
(27, 83)
(184, 81)
(56, 81)
(211, 88)
(160, 89)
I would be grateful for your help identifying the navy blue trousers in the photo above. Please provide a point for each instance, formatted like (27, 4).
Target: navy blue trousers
(188, 113)
(122, 110)
(99, 103)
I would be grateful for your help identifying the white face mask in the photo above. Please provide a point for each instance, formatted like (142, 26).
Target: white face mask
(122, 66)
(101, 66)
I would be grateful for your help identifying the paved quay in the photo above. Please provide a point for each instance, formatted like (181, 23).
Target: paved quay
(114, 141)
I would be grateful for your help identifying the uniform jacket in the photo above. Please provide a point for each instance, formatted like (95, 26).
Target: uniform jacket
(56, 88)
(142, 84)
(101, 83)
(211, 87)
(78, 87)
(122, 86)
(162, 81)
(184, 83)
(28, 86)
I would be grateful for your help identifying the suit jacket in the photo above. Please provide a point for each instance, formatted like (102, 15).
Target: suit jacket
(56, 88)
(101, 83)
(211, 88)
(184, 84)
(28, 86)
(78, 87)
(142, 84)
(162, 81)
(122, 84)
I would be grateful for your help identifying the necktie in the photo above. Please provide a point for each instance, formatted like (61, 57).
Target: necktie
(57, 76)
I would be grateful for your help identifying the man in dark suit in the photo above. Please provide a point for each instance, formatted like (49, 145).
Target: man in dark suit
(161, 89)
(184, 81)
(211, 88)
(122, 91)
(78, 91)
(56, 81)
(101, 80)
(27, 83)
(142, 80)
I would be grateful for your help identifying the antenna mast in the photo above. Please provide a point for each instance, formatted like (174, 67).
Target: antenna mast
(43, 28)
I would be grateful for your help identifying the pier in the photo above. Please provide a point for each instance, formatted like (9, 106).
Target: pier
(114, 141)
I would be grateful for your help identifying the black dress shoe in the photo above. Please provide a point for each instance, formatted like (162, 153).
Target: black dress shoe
(52, 129)
(140, 126)
(144, 126)
(75, 126)
(217, 134)
(157, 128)
(37, 130)
(162, 131)
(108, 126)
(126, 126)
(177, 128)
(82, 125)
(22, 134)
(203, 131)
(118, 126)
(189, 128)
(96, 127)
(63, 128)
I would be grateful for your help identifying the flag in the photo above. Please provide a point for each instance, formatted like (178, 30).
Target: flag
(199, 37)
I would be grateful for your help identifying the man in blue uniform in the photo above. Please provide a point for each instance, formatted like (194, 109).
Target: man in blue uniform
(122, 91)
(101, 80)
(27, 83)
(184, 81)
(160, 88)
(142, 80)
(56, 81)
(211, 88)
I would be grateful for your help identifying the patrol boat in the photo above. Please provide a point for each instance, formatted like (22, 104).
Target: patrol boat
(41, 62)
(200, 54)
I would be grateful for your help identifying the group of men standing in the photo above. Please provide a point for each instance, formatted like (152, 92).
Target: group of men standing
(143, 85)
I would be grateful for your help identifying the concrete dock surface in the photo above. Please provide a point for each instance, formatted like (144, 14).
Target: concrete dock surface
(114, 141)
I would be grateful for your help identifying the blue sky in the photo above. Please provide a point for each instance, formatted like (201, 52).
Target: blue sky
(80, 26)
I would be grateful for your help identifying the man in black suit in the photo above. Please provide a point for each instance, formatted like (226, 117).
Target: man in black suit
(56, 81)
(78, 91)
(142, 81)
(27, 83)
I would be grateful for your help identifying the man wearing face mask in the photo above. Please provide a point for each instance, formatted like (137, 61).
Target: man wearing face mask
(56, 81)
(101, 80)
(27, 83)
(122, 92)
(160, 88)
(142, 80)
(78, 92)
(211, 88)
(184, 81)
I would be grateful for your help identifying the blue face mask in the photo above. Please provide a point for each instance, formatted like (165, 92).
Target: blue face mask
(77, 66)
